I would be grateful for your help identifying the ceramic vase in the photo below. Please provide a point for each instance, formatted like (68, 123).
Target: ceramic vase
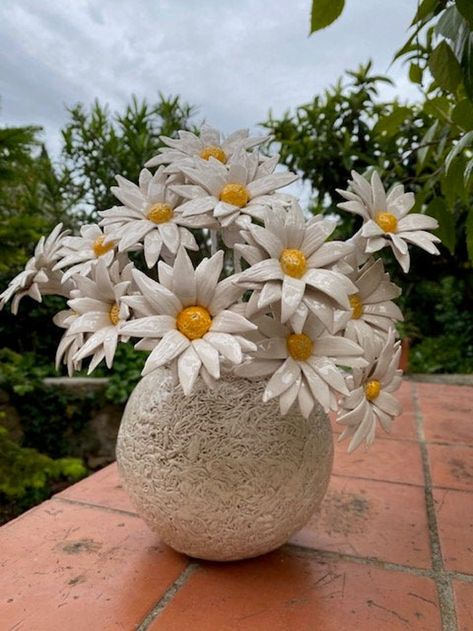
(220, 475)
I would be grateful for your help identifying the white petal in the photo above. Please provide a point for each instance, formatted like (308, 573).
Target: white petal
(328, 283)
(152, 247)
(417, 221)
(287, 398)
(230, 322)
(269, 269)
(291, 296)
(226, 345)
(207, 274)
(184, 283)
(318, 387)
(172, 344)
(151, 326)
(163, 300)
(282, 379)
(270, 242)
(188, 367)
(208, 356)
(170, 235)
(257, 368)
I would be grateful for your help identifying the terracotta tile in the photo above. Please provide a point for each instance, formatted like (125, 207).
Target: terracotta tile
(390, 460)
(102, 489)
(464, 605)
(404, 426)
(288, 591)
(454, 511)
(67, 566)
(452, 466)
(447, 412)
(367, 518)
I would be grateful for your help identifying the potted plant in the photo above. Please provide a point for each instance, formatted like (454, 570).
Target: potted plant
(225, 446)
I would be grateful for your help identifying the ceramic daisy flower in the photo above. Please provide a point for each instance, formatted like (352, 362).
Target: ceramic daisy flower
(81, 254)
(38, 277)
(290, 262)
(372, 310)
(192, 325)
(70, 344)
(371, 400)
(151, 215)
(210, 143)
(386, 219)
(100, 312)
(302, 366)
(242, 188)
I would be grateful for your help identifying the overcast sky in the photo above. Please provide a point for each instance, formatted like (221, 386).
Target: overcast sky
(233, 59)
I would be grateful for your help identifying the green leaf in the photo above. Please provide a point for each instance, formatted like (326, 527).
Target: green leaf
(467, 65)
(426, 8)
(446, 230)
(469, 234)
(445, 68)
(467, 174)
(438, 107)
(465, 7)
(389, 125)
(462, 114)
(464, 142)
(452, 183)
(449, 24)
(324, 12)
(425, 146)
(415, 73)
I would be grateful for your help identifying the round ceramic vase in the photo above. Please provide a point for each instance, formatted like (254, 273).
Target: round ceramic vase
(220, 475)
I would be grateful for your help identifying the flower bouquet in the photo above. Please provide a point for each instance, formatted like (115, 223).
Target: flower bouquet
(261, 343)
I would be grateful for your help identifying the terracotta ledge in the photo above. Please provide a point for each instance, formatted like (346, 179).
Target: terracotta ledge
(391, 548)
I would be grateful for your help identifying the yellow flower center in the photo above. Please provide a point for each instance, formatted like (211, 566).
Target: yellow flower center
(193, 322)
(356, 307)
(386, 221)
(372, 389)
(212, 151)
(160, 213)
(235, 194)
(114, 314)
(100, 248)
(293, 263)
(299, 346)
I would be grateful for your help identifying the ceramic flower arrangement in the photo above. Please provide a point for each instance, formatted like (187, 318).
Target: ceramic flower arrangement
(313, 316)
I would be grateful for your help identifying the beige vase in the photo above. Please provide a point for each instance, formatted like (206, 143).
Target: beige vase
(219, 475)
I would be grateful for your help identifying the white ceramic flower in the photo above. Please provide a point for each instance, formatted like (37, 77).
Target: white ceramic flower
(302, 365)
(38, 277)
(386, 219)
(371, 399)
(242, 188)
(290, 262)
(372, 310)
(210, 143)
(82, 253)
(70, 343)
(100, 312)
(192, 327)
(151, 215)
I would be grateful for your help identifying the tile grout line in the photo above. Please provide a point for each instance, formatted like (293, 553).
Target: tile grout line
(374, 562)
(168, 596)
(108, 509)
(443, 581)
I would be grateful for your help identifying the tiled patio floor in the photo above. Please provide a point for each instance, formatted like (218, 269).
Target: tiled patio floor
(392, 548)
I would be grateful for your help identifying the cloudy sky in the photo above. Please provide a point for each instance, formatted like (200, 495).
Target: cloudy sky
(233, 59)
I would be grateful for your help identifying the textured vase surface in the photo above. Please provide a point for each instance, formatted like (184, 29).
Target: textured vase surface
(220, 475)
